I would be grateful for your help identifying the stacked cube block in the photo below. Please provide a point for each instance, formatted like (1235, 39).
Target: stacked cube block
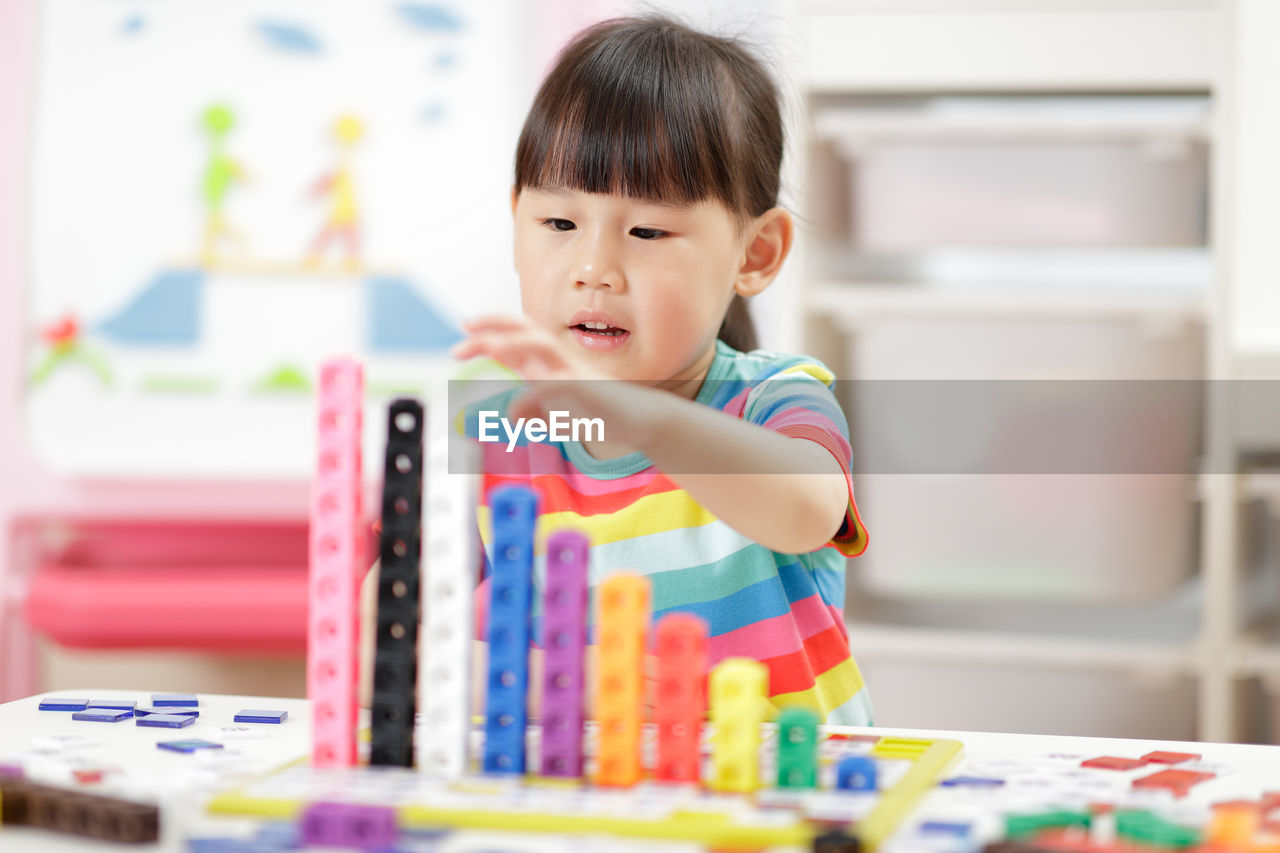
(738, 687)
(337, 557)
(682, 699)
(621, 625)
(395, 663)
(26, 803)
(564, 637)
(514, 511)
(449, 553)
(797, 748)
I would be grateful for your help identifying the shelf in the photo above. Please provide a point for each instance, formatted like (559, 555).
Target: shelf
(852, 303)
(1011, 648)
(1016, 119)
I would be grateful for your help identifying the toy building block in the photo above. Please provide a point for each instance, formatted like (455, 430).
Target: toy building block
(856, 773)
(57, 703)
(337, 552)
(564, 640)
(622, 620)
(836, 841)
(168, 700)
(349, 825)
(147, 711)
(797, 748)
(102, 715)
(449, 576)
(251, 716)
(681, 702)
(187, 746)
(395, 675)
(166, 721)
(514, 513)
(89, 815)
(738, 688)
(115, 704)
(1180, 782)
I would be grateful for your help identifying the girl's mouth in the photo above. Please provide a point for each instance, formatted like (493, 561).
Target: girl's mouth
(600, 329)
(599, 336)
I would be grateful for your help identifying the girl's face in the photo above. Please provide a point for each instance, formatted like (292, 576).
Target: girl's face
(636, 288)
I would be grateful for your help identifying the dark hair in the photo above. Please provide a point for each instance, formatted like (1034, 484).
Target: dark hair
(649, 108)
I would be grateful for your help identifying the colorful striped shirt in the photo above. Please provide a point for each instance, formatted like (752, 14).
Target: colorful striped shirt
(785, 610)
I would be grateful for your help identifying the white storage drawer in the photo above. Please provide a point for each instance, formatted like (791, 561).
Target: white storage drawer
(908, 45)
(1095, 536)
(1010, 172)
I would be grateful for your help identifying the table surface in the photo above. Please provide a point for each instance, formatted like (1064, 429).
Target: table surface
(52, 746)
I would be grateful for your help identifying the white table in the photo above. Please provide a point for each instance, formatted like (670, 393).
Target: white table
(182, 783)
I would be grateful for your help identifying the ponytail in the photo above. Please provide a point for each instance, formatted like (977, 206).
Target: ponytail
(738, 330)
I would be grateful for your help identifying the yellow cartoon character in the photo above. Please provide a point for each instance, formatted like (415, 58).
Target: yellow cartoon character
(343, 222)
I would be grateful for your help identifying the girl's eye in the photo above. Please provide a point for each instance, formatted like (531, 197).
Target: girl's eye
(559, 224)
(647, 233)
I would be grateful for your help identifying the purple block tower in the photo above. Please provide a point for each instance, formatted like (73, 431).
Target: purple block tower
(564, 639)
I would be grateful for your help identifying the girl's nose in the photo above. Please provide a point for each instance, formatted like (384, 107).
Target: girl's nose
(597, 266)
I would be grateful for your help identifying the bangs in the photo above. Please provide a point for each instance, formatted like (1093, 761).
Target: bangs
(636, 115)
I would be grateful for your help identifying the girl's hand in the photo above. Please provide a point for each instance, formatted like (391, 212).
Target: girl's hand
(559, 381)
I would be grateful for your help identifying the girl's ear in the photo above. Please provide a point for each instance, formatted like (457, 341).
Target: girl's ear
(768, 244)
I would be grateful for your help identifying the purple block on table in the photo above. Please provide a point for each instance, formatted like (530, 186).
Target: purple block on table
(166, 721)
(564, 637)
(62, 703)
(12, 771)
(176, 711)
(187, 745)
(250, 716)
(349, 825)
(165, 700)
(118, 704)
(102, 715)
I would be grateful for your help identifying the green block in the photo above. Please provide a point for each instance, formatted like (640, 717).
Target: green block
(797, 748)
(1025, 825)
(798, 775)
(1151, 829)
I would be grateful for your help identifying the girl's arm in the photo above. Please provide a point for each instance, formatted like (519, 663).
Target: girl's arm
(788, 494)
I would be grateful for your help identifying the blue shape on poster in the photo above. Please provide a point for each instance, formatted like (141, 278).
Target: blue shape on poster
(433, 112)
(165, 313)
(444, 61)
(133, 24)
(288, 38)
(425, 16)
(403, 320)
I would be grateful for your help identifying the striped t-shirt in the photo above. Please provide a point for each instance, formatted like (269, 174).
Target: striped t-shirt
(785, 610)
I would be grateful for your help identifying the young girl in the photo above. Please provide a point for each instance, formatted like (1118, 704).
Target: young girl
(645, 206)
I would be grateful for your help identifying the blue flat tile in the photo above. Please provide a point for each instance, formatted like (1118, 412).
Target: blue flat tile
(188, 745)
(165, 700)
(62, 703)
(102, 715)
(942, 827)
(971, 781)
(174, 711)
(166, 721)
(261, 716)
(119, 704)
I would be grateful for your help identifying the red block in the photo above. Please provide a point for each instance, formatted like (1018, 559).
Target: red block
(1160, 757)
(681, 702)
(1178, 781)
(1111, 762)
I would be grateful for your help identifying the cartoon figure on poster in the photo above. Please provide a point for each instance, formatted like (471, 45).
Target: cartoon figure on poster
(338, 189)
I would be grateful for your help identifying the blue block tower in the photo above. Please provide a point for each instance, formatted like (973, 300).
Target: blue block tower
(514, 511)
